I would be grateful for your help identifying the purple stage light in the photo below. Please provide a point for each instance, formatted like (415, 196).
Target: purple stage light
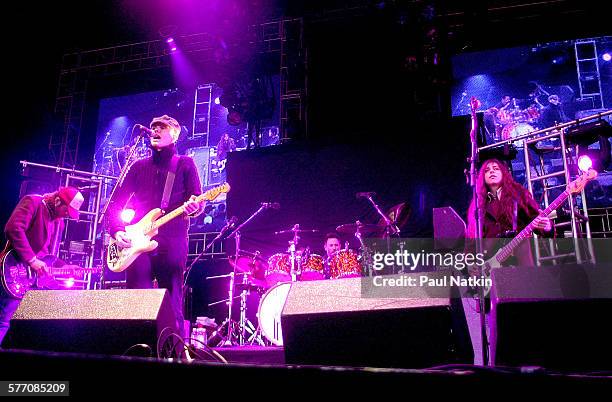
(170, 40)
(584, 163)
(69, 282)
(217, 101)
(173, 49)
(127, 215)
(606, 56)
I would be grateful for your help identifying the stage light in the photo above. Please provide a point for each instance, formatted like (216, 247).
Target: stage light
(69, 282)
(170, 40)
(584, 163)
(127, 215)
(173, 49)
(217, 101)
(606, 57)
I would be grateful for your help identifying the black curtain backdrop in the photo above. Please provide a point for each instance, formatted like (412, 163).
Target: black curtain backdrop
(316, 184)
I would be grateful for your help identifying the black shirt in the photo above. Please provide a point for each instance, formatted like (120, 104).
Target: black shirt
(143, 188)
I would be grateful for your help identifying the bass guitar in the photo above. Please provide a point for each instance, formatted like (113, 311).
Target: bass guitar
(506, 251)
(17, 276)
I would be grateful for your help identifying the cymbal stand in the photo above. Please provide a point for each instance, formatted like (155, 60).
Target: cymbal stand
(295, 268)
(236, 333)
(365, 251)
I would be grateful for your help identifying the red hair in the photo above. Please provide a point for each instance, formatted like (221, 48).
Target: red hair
(511, 191)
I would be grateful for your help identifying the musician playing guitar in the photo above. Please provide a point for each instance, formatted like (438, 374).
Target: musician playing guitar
(32, 232)
(507, 207)
(148, 185)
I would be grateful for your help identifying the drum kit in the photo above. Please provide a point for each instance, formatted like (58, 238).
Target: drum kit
(512, 122)
(272, 277)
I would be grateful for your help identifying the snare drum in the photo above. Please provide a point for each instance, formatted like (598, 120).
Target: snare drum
(269, 312)
(312, 268)
(345, 264)
(279, 269)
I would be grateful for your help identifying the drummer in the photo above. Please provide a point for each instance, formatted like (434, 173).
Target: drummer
(331, 245)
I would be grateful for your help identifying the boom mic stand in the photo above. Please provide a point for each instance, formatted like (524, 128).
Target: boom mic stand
(391, 228)
(124, 170)
(474, 104)
(231, 330)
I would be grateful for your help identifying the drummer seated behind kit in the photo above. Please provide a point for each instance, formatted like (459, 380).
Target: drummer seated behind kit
(331, 246)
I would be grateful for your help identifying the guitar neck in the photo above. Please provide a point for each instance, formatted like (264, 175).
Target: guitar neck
(508, 249)
(207, 196)
(168, 217)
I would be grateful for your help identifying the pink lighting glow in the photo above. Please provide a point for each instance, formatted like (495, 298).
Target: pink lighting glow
(127, 215)
(584, 163)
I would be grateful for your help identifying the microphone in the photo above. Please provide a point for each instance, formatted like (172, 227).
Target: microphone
(366, 194)
(273, 205)
(144, 129)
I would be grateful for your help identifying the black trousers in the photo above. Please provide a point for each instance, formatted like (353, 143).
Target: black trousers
(165, 265)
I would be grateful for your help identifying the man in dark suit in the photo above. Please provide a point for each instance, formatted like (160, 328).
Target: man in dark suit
(33, 231)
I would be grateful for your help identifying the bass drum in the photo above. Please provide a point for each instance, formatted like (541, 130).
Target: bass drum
(269, 312)
(516, 130)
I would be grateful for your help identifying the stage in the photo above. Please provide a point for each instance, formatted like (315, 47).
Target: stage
(113, 376)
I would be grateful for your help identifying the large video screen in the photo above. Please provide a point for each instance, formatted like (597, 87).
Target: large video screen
(211, 128)
(534, 86)
(531, 87)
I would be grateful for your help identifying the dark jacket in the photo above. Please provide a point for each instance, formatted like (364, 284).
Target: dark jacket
(31, 230)
(143, 188)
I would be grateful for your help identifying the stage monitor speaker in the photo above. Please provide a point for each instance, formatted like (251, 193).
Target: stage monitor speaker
(90, 321)
(330, 323)
(553, 317)
(449, 228)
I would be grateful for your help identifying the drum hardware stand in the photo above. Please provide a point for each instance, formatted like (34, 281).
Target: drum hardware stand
(365, 251)
(391, 228)
(236, 333)
(295, 268)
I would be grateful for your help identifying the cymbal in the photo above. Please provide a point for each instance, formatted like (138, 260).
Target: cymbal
(352, 228)
(249, 262)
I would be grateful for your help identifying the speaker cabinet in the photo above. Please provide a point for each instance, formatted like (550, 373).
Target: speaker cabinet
(329, 322)
(90, 321)
(554, 317)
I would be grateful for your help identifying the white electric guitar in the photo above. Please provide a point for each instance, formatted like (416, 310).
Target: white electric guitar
(140, 234)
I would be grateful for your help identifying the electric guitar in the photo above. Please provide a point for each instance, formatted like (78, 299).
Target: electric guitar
(17, 276)
(505, 252)
(119, 259)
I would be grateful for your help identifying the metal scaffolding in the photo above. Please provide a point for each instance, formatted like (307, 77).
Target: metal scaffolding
(284, 36)
(568, 155)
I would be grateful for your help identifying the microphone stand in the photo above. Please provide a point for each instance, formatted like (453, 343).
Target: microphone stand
(188, 271)
(230, 331)
(390, 228)
(122, 175)
(474, 103)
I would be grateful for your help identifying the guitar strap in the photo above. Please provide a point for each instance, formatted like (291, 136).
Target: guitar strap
(169, 182)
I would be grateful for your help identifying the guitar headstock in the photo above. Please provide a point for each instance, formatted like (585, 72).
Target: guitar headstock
(578, 185)
(215, 192)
